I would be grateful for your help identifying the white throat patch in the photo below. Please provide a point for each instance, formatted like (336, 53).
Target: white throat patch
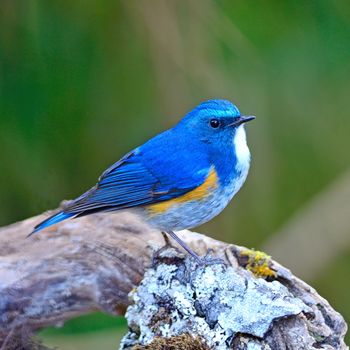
(242, 150)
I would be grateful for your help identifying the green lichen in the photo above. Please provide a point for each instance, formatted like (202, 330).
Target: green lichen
(259, 263)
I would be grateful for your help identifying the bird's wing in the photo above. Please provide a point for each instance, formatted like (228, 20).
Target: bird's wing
(134, 181)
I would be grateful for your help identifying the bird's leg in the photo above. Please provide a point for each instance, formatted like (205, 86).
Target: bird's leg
(207, 260)
(184, 245)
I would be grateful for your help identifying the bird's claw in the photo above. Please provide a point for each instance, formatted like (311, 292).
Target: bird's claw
(208, 260)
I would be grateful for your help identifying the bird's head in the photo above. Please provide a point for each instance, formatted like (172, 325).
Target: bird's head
(215, 122)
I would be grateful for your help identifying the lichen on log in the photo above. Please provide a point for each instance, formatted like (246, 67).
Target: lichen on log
(229, 308)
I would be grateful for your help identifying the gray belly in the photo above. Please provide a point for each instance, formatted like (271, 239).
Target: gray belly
(187, 215)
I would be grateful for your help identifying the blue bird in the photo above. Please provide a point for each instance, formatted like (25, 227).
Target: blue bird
(177, 180)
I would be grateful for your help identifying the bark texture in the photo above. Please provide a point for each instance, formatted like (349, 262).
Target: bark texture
(93, 263)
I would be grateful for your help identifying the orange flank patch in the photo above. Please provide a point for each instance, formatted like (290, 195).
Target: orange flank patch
(198, 193)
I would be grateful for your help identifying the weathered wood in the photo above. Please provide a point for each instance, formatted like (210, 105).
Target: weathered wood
(75, 267)
(93, 263)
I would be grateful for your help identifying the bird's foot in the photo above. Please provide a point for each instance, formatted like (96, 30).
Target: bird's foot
(201, 261)
(208, 259)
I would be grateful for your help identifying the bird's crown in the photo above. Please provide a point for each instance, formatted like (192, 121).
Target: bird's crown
(217, 107)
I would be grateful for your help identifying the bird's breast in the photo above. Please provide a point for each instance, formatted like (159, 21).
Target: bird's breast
(195, 207)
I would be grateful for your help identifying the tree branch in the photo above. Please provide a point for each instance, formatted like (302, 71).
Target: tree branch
(93, 263)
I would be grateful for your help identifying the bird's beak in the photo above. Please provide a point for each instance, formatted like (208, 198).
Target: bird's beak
(241, 120)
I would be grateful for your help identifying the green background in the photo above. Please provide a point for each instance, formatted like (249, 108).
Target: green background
(83, 82)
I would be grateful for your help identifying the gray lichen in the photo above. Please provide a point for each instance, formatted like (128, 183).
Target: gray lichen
(222, 305)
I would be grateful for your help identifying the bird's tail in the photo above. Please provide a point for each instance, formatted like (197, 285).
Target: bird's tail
(51, 221)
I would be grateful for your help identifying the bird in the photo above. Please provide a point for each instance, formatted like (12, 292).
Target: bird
(179, 179)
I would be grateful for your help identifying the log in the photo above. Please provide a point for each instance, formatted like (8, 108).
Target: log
(93, 263)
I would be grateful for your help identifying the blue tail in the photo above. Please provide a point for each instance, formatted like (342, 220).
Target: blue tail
(51, 221)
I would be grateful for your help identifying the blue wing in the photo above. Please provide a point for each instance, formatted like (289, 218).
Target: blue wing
(157, 171)
(132, 182)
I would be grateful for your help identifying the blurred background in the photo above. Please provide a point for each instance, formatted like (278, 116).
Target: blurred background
(83, 82)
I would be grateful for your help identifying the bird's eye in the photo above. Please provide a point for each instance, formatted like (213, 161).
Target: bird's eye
(214, 123)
